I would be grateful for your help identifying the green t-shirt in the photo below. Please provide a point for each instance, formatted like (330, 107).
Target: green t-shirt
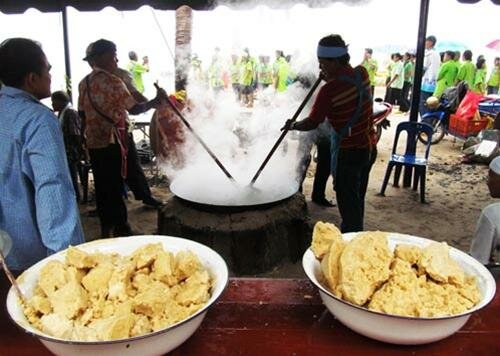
(397, 69)
(137, 70)
(247, 73)
(283, 69)
(408, 69)
(265, 74)
(371, 67)
(494, 80)
(467, 72)
(446, 77)
(480, 81)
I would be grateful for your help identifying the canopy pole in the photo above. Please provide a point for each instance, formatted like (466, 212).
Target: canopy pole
(67, 62)
(417, 82)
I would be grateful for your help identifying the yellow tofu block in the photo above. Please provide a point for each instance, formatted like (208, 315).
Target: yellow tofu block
(187, 263)
(195, 290)
(52, 277)
(164, 268)
(113, 328)
(70, 300)
(142, 325)
(330, 264)
(41, 304)
(409, 253)
(438, 264)
(83, 333)
(79, 259)
(145, 256)
(120, 282)
(364, 265)
(74, 274)
(152, 301)
(96, 281)
(57, 326)
(324, 234)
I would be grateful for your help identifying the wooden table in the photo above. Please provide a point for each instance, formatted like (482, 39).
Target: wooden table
(286, 317)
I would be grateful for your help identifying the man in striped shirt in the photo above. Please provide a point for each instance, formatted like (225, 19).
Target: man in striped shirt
(346, 102)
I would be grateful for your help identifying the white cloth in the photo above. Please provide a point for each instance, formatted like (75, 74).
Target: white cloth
(495, 165)
(487, 236)
(432, 62)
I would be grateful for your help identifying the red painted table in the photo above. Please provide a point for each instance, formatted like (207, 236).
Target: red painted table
(285, 317)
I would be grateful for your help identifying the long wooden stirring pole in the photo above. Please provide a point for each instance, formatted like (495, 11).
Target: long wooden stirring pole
(11, 278)
(183, 119)
(283, 134)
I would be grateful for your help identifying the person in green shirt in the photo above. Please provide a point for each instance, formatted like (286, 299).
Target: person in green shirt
(215, 81)
(447, 74)
(234, 70)
(387, 96)
(265, 73)
(137, 70)
(247, 75)
(408, 70)
(371, 67)
(281, 71)
(467, 70)
(494, 81)
(480, 76)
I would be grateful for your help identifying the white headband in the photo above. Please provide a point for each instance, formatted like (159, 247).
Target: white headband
(495, 165)
(331, 52)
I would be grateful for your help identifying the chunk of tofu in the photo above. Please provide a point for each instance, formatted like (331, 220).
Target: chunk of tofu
(145, 256)
(96, 281)
(195, 290)
(52, 277)
(79, 258)
(187, 263)
(152, 301)
(330, 264)
(438, 264)
(41, 304)
(57, 326)
(164, 268)
(113, 328)
(70, 300)
(409, 253)
(364, 265)
(324, 234)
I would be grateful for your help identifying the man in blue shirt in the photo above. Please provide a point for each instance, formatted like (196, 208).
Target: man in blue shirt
(37, 201)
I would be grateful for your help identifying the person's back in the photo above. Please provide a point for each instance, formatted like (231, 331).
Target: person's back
(37, 201)
(486, 242)
(467, 70)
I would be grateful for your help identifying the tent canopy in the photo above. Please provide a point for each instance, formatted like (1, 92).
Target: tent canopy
(19, 6)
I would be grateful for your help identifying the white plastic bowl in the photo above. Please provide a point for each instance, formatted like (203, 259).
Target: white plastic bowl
(398, 329)
(156, 343)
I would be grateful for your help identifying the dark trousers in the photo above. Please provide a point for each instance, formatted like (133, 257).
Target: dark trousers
(372, 88)
(351, 180)
(405, 97)
(422, 108)
(322, 170)
(106, 167)
(75, 171)
(395, 96)
(136, 180)
(492, 90)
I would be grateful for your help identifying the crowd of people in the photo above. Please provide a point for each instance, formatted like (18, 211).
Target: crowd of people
(244, 74)
(38, 204)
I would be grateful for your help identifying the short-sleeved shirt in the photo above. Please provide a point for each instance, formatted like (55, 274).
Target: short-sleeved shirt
(480, 81)
(467, 72)
(337, 101)
(446, 77)
(397, 69)
(137, 70)
(371, 67)
(112, 98)
(494, 80)
(408, 70)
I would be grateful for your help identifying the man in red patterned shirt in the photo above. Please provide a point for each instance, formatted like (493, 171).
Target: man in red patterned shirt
(346, 102)
(104, 103)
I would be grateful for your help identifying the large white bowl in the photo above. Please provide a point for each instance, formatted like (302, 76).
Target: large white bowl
(156, 343)
(398, 329)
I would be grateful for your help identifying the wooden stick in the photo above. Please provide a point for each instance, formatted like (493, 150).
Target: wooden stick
(11, 278)
(285, 131)
(183, 119)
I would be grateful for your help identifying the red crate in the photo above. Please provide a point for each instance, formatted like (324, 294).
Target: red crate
(463, 127)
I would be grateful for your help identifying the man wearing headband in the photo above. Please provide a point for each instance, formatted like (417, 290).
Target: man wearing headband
(486, 242)
(345, 100)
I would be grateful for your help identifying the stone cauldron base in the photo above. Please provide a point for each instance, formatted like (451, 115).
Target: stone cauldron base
(252, 241)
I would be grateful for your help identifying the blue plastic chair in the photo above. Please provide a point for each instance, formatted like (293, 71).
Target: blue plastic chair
(418, 163)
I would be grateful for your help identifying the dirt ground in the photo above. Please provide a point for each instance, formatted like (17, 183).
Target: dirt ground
(455, 192)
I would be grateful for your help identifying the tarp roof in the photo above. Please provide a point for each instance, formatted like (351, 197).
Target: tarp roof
(19, 6)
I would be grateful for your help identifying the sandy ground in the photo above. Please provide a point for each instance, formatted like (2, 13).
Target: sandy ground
(455, 192)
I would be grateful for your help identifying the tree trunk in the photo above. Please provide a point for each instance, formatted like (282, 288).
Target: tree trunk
(183, 27)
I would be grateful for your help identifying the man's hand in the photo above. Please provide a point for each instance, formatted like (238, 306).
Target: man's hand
(289, 125)
(161, 95)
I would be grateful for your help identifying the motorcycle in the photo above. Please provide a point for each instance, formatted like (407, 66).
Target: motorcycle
(440, 110)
